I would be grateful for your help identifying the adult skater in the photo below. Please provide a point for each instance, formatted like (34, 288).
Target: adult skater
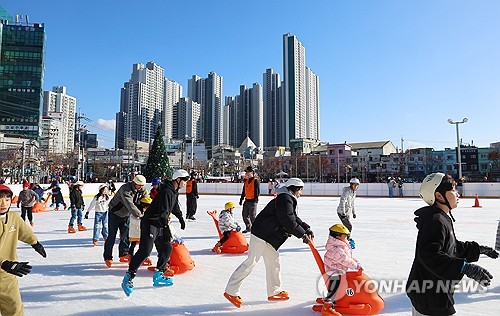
(191, 196)
(12, 229)
(250, 193)
(346, 205)
(272, 227)
(155, 230)
(126, 201)
(441, 260)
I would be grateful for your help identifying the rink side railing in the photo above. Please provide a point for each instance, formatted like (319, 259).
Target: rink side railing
(482, 189)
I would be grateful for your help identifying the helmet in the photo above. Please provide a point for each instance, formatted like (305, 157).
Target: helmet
(104, 185)
(3, 187)
(295, 182)
(146, 199)
(180, 173)
(228, 205)
(429, 186)
(139, 180)
(249, 169)
(340, 228)
(354, 181)
(156, 181)
(79, 183)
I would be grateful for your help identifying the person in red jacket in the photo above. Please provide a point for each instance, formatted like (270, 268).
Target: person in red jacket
(250, 193)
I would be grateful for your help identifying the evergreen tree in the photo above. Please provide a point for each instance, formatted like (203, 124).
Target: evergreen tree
(158, 164)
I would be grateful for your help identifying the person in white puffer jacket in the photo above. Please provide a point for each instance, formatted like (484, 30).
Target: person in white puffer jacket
(346, 205)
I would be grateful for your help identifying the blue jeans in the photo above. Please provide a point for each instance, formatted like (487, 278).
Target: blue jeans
(100, 221)
(391, 192)
(74, 213)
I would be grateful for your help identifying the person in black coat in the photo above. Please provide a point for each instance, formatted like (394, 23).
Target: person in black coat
(271, 228)
(155, 231)
(440, 260)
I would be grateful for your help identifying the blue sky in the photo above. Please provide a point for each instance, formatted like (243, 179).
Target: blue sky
(388, 69)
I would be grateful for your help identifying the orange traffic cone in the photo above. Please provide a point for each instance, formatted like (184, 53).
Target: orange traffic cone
(476, 203)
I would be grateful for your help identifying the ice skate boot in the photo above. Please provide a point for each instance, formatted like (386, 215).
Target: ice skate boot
(216, 248)
(147, 262)
(108, 263)
(235, 300)
(281, 296)
(94, 242)
(71, 229)
(125, 258)
(329, 310)
(127, 284)
(81, 228)
(32, 224)
(159, 279)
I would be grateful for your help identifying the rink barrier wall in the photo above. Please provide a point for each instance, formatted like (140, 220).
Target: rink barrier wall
(483, 190)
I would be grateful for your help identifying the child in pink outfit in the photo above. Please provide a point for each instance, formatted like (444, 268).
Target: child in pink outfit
(338, 260)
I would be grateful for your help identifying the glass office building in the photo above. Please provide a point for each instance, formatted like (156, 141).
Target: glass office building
(22, 51)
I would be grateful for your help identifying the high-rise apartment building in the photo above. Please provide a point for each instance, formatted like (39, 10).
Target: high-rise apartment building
(187, 121)
(142, 103)
(246, 113)
(274, 131)
(60, 106)
(22, 51)
(173, 93)
(312, 109)
(208, 93)
(295, 91)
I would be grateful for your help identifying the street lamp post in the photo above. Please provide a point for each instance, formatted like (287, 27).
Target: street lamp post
(459, 154)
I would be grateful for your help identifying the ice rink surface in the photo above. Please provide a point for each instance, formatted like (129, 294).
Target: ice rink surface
(73, 279)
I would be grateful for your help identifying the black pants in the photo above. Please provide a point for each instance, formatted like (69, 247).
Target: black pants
(346, 220)
(225, 237)
(116, 223)
(27, 210)
(132, 248)
(249, 212)
(160, 237)
(334, 283)
(191, 205)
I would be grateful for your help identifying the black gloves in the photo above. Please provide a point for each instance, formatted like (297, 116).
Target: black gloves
(353, 215)
(241, 202)
(183, 223)
(305, 239)
(39, 248)
(86, 215)
(309, 233)
(490, 252)
(475, 272)
(16, 268)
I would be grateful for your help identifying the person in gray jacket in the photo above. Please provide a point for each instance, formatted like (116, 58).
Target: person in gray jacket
(27, 199)
(123, 203)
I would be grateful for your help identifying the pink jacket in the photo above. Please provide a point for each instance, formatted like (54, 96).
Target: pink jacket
(338, 257)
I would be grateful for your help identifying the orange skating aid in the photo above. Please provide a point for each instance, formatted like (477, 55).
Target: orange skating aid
(236, 243)
(357, 296)
(180, 259)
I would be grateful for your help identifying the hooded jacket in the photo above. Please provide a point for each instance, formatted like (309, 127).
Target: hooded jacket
(346, 204)
(438, 262)
(279, 219)
(125, 201)
(164, 203)
(338, 257)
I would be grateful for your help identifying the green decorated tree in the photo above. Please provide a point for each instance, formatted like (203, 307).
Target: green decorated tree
(158, 164)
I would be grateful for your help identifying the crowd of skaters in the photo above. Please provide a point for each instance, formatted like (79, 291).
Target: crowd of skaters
(151, 212)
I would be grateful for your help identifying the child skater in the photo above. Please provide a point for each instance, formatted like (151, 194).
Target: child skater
(100, 204)
(227, 223)
(12, 229)
(77, 206)
(338, 259)
(134, 233)
(27, 199)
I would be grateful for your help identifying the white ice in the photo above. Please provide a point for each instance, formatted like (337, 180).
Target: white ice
(73, 279)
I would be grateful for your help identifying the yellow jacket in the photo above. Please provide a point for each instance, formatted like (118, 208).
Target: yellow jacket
(12, 229)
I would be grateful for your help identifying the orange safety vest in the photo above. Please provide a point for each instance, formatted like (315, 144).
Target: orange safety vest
(250, 189)
(189, 186)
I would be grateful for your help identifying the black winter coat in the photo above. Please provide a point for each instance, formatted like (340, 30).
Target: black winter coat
(164, 203)
(76, 199)
(439, 258)
(278, 220)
